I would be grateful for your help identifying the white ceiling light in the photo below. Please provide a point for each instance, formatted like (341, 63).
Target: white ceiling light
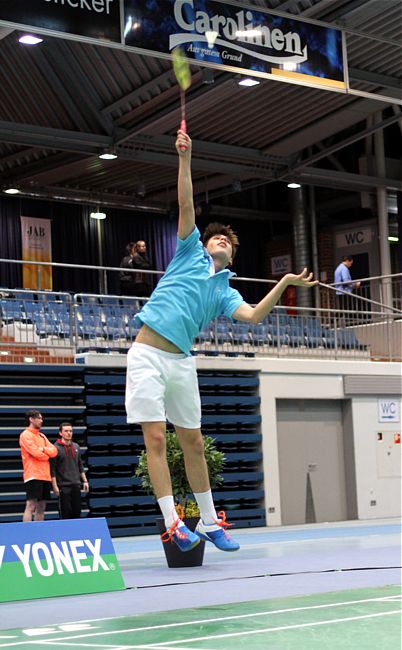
(393, 238)
(290, 65)
(248, 32)
(247, 81)
(12, 190)
(293, 186)
(108, 154)
(98, 215)
(211, 38)
(30, 39)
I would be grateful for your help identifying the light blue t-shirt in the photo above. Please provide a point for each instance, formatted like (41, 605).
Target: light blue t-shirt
(342, 274)
(189, 295)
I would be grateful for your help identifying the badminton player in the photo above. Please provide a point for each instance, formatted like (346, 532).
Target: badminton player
(161, 373)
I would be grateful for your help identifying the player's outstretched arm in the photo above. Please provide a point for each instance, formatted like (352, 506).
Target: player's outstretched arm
(256, 314)
(185, 186)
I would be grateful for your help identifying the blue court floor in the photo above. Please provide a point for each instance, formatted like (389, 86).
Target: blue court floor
(353, 568)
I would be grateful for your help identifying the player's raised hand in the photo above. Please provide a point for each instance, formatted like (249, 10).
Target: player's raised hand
(183, 144)
(304, 279)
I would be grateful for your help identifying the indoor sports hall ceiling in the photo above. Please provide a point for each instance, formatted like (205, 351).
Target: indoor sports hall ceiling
(63, 102)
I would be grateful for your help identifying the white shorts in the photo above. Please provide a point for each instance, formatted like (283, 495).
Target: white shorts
(162, 385)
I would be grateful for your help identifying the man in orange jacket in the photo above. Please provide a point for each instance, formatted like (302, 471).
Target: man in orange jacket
(35, 452)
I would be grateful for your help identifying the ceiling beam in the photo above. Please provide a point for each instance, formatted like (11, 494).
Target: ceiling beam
(219, 159)
(347, 9)
(348, 141)
(343, 180)
(81, 87)
(134, 95)
(374, 78)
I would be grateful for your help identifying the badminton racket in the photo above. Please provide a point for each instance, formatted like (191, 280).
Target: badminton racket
(182, 72)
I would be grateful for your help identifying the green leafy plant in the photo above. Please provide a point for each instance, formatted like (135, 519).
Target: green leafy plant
(181, 489)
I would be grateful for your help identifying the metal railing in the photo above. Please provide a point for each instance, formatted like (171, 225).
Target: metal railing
(381, 292)
(62, 325)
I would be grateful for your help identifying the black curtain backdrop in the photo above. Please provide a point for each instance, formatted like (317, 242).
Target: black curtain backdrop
(75, 241)
(10, 242)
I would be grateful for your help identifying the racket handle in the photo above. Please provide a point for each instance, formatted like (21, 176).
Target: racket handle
(183, 127)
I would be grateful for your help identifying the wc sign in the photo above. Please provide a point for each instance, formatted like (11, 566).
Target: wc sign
(389, 410)
(281, 264)
(57, 558)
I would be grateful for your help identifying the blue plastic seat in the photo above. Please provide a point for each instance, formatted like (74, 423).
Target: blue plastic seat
(329, 337)
(313, 332)
(221, 330)
(240, 333)
(348, 341)
(260, 334)
(11, 310)
(295, 335)
(205, 335)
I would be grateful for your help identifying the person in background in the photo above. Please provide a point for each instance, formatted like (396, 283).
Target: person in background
(67, 472)
(142, 281)
(127, 278)
(342, 274)
(36, 450)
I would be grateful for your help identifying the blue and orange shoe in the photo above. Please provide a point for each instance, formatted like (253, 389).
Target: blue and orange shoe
(216, 533)
(182, 536)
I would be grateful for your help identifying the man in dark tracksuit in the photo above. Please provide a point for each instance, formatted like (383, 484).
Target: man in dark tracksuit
(67, 472)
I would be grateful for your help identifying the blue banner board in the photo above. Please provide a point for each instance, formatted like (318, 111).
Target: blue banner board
(57, 558)
(232, 36)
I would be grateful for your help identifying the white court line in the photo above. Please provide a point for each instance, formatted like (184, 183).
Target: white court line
(110, 647)
(113, 618)
(207, 620)
(87, 645)
(167, 644)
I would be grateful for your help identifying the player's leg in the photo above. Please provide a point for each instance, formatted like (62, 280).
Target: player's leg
(211, 527)
(183, 408)
(155, 444)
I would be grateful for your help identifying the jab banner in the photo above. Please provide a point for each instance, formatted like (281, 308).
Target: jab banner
(36, 240)
(237, 38)
(57, 558)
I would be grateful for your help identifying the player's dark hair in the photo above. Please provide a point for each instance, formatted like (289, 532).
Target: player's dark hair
(347, 258)
(64, 424)
(33, 413)
(130, 247)
(216, 228)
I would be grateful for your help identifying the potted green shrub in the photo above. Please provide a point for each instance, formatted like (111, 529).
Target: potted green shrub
(181, 490)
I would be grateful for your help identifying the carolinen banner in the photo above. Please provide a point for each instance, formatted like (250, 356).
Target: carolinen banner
(57, 558)
(36, 240)
(233, 37)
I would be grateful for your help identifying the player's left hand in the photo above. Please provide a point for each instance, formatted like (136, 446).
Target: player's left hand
(304, 279)
(183, 144)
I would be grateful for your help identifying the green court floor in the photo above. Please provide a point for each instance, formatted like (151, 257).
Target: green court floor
(362, 619)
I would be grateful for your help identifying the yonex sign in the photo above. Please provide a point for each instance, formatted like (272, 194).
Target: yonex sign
(56, 558)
